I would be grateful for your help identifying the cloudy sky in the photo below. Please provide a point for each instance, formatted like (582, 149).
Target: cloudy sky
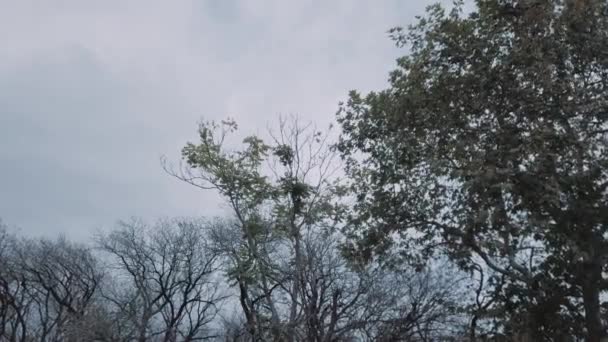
(92, 93)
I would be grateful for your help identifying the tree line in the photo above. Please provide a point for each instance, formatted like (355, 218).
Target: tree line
(465, 202)
(272, 270)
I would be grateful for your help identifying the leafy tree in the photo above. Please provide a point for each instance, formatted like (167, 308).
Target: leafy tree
(275, 192)
(490, 144)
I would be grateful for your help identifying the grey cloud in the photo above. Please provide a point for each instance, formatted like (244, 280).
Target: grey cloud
(75, 153)
(92, 95)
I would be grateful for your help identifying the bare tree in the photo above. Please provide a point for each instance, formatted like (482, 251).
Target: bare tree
(165, 285)
(417, 306)
(46, 288)
(233, 329)
(341, 302)
(332, 294)
(13, 299)
(63, 278)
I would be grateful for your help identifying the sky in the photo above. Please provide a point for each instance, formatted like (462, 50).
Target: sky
(93, 93)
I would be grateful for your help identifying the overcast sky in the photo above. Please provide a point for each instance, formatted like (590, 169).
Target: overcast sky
(92, 93)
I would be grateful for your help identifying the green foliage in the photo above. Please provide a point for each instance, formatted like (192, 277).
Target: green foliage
(285, 154)
(491, 142)
(235, 175)
(276, 192)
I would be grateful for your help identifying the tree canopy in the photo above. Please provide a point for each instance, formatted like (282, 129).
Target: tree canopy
(490, 145)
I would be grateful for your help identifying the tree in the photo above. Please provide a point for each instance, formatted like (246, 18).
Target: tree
(47, 289)
(276, 192)
(490, 143)
(374, 302)
(164, 285)
(13, 301)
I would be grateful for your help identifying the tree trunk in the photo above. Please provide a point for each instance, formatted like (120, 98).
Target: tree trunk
(591, 302)
(296, 284)
(473, 329)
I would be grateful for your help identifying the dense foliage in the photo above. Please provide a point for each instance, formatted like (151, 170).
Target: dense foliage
(490, 145)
